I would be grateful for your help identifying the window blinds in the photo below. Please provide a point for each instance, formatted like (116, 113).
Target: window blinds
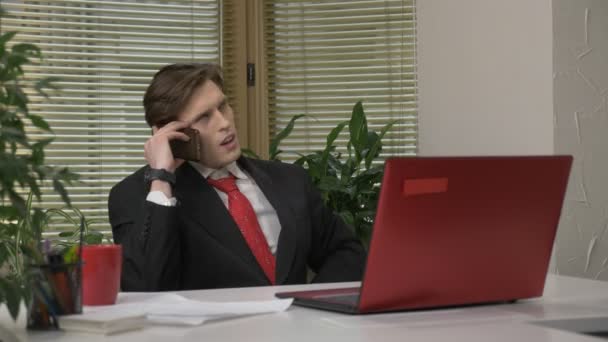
(324, 56)
(105, 53)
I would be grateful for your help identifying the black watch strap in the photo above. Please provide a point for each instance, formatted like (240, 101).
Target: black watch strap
(160, 174)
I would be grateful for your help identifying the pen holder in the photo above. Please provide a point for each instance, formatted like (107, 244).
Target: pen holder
(56, 290)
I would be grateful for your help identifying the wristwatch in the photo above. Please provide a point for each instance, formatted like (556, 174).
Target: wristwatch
(161, 174)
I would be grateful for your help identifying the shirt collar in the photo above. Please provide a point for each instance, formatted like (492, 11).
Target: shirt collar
(232, 168)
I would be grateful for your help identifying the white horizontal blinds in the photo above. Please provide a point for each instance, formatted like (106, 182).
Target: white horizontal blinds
(324, 56)
(105, 53)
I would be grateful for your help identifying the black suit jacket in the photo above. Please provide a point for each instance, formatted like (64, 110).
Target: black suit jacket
(197, 245)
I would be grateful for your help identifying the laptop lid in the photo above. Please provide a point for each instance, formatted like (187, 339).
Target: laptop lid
(460, 230)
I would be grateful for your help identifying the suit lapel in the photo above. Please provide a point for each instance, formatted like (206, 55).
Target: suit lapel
(193, 192)
(286, 247)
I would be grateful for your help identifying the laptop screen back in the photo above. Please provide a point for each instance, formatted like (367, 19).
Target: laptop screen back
(463, 230)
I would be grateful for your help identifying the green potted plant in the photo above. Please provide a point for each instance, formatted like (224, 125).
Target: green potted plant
(349, 182)
(22, 169)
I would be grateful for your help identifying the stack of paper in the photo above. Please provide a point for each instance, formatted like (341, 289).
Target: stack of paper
(102, 322)
(133, 310)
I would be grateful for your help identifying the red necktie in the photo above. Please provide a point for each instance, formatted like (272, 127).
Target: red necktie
(242, 212)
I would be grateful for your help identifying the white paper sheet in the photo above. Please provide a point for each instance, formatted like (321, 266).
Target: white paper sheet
(173, 309)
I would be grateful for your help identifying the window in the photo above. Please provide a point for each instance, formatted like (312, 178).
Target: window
(312, 57)
(105, 53)
(324, 56)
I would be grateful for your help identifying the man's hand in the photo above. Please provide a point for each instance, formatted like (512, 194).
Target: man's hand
(157, 152)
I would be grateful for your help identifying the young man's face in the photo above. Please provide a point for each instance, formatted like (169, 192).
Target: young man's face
(209, 112)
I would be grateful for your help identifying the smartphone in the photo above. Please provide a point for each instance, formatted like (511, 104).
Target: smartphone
(187, 150)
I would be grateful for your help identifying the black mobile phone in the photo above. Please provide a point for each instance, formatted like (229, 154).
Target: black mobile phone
(187, 150)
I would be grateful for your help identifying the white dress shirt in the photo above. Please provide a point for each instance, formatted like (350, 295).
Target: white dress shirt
(267, 216)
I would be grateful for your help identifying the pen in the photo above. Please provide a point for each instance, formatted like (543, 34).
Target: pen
(46, 250)
(59, 280)
(77, 293)
(39, 291)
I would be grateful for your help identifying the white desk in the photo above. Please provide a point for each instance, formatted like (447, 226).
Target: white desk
(564, 297)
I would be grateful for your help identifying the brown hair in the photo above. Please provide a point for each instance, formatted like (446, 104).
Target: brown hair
(172, 87)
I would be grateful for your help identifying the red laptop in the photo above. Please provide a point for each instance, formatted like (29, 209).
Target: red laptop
(453, 231)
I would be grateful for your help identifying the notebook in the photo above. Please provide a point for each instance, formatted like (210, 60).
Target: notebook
(453, 231)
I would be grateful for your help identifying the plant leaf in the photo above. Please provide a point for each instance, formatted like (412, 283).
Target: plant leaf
(8, 213)
(16, 97)
(358, 130)
(274, 142)
(47, 83)
(66, 234)
(12, 296)
(348, 217)
(249, 153)
(331, 137)
(39, 122)
(375, 148)
(27, 50)
(6, 37)
(13, 134)
(93, 238)
(54, 211)
(58, 186)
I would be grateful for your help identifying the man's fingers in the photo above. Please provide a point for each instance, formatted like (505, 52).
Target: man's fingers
(177, 135)
(172, 126)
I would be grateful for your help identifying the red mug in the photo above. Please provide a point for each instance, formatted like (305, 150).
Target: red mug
(102, 265)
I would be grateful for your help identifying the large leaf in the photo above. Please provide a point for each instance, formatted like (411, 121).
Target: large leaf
(375, 148)
(13, 135)
(329, 146)
(93, 238)
(37, 157)
(6, 37)
(67, 234)
(33, 184)
(367, 180)
(274, 143)
(348, 170)
(347, 216)
(372, 139)
(46, 83)
(14, 63)
(17, 201)
(358, 129)
(12, 294)
(39, 122)
(329, 184)
(249, 153)
(60, 188)
(8, 213)
(16, 97)
(334, 165)
(302, 160)
(25, 49)
(39, 222)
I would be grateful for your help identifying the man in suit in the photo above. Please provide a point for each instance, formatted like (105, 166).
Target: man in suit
(180, 229)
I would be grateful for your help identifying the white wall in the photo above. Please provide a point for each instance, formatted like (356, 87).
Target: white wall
(524, 77)
(581, 129)
(485, 77)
